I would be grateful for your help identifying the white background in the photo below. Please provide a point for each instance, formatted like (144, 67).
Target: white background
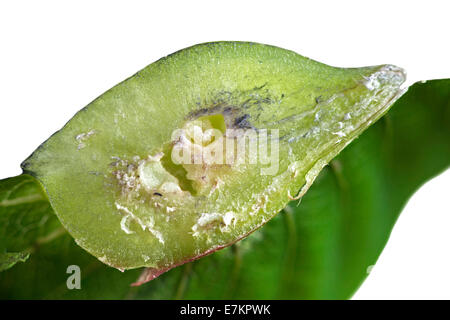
(57, 56)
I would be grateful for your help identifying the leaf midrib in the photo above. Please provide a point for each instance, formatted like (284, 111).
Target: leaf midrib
(21, 200)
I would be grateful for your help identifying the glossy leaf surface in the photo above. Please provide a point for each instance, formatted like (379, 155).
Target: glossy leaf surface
(320, 249)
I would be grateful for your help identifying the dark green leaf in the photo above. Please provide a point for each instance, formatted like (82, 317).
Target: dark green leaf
(26, 219)
(323, 248)
(320, 249)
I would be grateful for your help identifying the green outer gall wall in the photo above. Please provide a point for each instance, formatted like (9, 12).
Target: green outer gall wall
(274, 88)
